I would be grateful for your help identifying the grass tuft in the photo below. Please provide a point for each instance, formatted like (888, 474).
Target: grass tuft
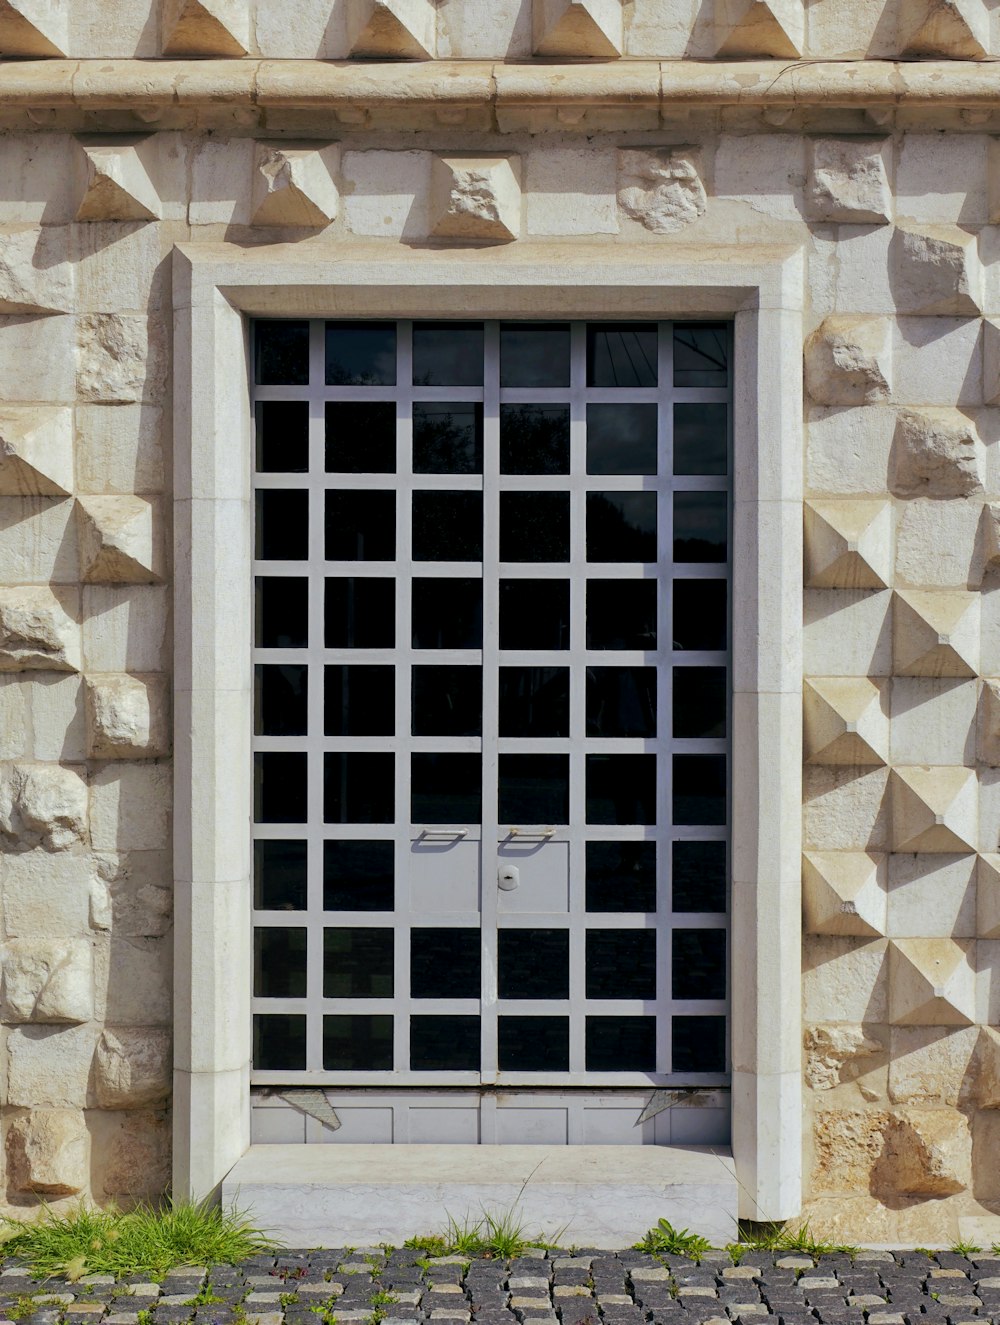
(966, 1249)
(665, 1240)
(498, 1234)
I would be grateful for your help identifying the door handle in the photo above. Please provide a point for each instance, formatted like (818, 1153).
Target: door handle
(541, 833)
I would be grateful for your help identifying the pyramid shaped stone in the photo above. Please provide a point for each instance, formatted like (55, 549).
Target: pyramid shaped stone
(117, 185)
(476, 197)
(36, 451)
(848, 543)
(935, 809)
(988, 896)
(935, 633)
(931, 983)
(952, 29)
(205, 27)
(34, 27)
(936, 270)
(989, 724)
(760, 29)
(294, 184)
(392, 29)
(843, 721)
(843, 892)
(36, 276)
(119, 541)
(578, 29)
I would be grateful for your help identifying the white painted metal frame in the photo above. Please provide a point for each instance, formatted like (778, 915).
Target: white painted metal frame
(215, 288)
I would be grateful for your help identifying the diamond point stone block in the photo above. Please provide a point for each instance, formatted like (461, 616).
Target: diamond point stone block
(117, 185)
(844, 892)
(931, 983)
(34, 28)
(952, 29)
(935, 809)
(36, 451)
(205, 27)
(38, 630)
(936, 453)
(294, 184)
(127, 716)
(120, 541)
(578, 28)
(844, 721)
(935, 633)
(392, 29)
(936, 271)
(848, 543)
(476, 197)
(760, 29)
(988, 896)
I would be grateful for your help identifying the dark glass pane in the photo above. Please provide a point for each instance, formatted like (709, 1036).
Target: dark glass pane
(701, 440)
(621, 701)
(534, 701)
(282, 353)
(447, 701)
(534, 526)
(279, 1042)
(279, 876)
(359, 700)
(534, 439)
(358, 788)
(621, 1044)
(280, 700)
(699, 1044)
(699, 876)
(282, 436)
(447, 439)
(699, 701)
(701, 526)
(621, 526)
(444, 1044)
(447, 614)
(357, 963)
(360, 437)
(533, 963)
(533, 1044)
(534, 614)
(699, 789)
(282, 524)
(699, 963)
(621, 614)
(360, 526)
(534, 789)
(448, 354)
(358, 1042)
(358, 876)
(621, 354)
(621, 439)
(279, 787)
(281, 612)
(621, 789)
(446, 788)
(279, 963)
(361, 354)
(701, 614)
(534, 354)
(621, 963)
(445, 963)
(360, 613)
(701, 354)
(447, 526)
(621, 876)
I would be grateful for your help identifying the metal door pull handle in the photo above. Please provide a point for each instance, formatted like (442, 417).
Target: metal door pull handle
(532, 832)
(444, 832)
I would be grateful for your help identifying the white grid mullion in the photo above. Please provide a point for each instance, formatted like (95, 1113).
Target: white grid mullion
(664, 694)
(490, 860)
(404, 918)
(577, 571)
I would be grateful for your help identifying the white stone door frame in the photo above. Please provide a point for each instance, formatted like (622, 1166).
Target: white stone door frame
(217, 288)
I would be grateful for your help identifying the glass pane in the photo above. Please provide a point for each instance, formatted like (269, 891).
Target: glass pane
(534, 526)
(358, 788)
(621, 526)
(357, 963)
(279, 963)
(533, 1044)
(534, 439)
(447, 526)
(699, 789)
(444, 1044)
(279, 876)
(279, 787)
(281, 612)
(282, 436)
(701, 439)
(533, 963)
(360, 437)
(621, 789)
(282, 353)
(534, 354)
(358, 876)
(359, 700)
(699, 701)
(621, 701)
(534, 614)
(621, 876)
(447, 614)
(282, 525)
(621, 1044)
(699, 1044)
(701, 355)
(701, 526)
(361, 354)
(447, 354)
(447, 439)
(446, 788)
(534, 789)
(621, 439)
(621, 614)
(445, 963)
(701, 614)
(360, 613)
(534, 701)
(621, 354)
(699, 876)
(358, 1042)
(621, 963)
(699, 963)
(279, 1042)
(280, 700)
(447, 701)
(360, 526)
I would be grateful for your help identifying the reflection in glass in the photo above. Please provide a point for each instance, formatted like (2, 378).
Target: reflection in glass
(621, 789)
(447, 439)
(621, 614)
(360, 437)
(360, 613)
(360, 526)
(701, 526)
(447, 526)
(621, 876)
(445, 963)
(279, 1042)
(447, 701)
(359, 700)
(699, 963)
(282, 524)
(699, 701)
(699, 1044)
(282, 436)
(279, 963)
(621, 963)
(699, 876)
(444, 1044)
(534, 789)
(534, 526)
(279, 787)
(699, 789)
(279, 876)
(447, 354)
(621, 1044)
(447, 614)
(534, 701)
(533, 1044)
(621, 354)
(357, 963)
(360, 354)
(534, 354)
(621, 439)
(358, 788)
(358, 876)
(446, 788)
(701, 439)
(701, 614)
(621, 701)
(701, 354)
(280, 699)
(534, 614)
(534, 439)
(281, 612)
(533, 963)
(358, 1042)
(621, 526)
(281, 351)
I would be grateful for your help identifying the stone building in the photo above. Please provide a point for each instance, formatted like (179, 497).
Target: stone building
(497, 496)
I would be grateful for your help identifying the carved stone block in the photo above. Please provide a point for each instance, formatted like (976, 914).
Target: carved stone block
(36, 451)
(936, 453)
(934, 809)
(952, 29)
(34, 28)
(988, 896)
(849, 361)
(42, 805)
(843, 892)
(117, 185)
(48, 1152)
(989, 724)
(35, 275)
(927, 1152)
(577, 28)
(128, 717)
(120, 542)
(661, 189)
(37, 630)
(844, 721)
(848, 181)
(476, 197)
(935, 633)
(48, 981)
(294, 184)
(935, 270)
(391, 29)
(848, 543)
(760, 29)
(931, 983)
(205, 27)
(132, 1068)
